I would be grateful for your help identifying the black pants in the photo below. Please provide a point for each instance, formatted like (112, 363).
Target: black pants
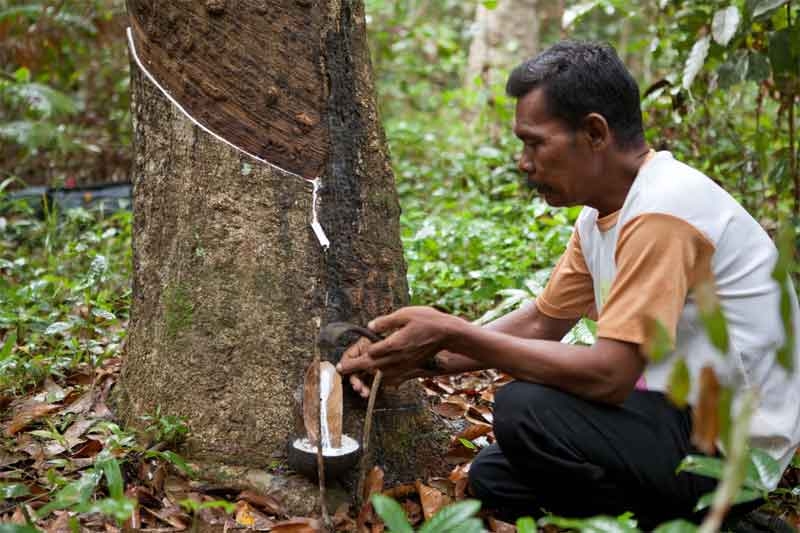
(558, 453)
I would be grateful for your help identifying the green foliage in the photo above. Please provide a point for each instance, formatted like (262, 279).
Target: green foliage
(679, 383)
(761, 475)
(77, 496)
(63, 91)
(169, 429)
(64, 291)
(781, 274)
(457, 517)
(597, 524)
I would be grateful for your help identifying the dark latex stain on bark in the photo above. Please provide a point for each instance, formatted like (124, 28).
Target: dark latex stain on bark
(271, 75)
(341, 191)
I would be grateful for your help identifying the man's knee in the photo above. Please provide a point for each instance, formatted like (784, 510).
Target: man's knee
(516, 405)
(481, 472)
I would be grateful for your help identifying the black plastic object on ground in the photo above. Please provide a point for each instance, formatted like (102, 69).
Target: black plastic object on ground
(107, 198)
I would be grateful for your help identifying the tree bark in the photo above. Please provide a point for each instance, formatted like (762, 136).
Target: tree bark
(230, 284)
(504, 37)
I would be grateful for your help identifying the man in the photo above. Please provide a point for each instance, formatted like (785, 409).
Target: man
(575, 435)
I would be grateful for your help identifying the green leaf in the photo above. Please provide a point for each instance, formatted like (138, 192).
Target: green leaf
(57, 327)
(724, 24)
(679, 383)
(391, 513)
(526, 524)
(44, 99)
(659, 341)
(744, 495)
(102, 313)
(452, 517)
(763, 472)
(781, 274)
(22, 74)
(489, 4)
(767, 6)
(467, 443)
(697, 57)
(782, 52)
(17, 528)
(75, 493)
(711, 316)
(574, 12)
(9, 491)
(173, 458)
(8, 345)
(734, 70)
(757, 66)
(120, 509)
(31, 10)
(32, 134)
(116, 486)
(597, 524)
(702, 465)
(676, 526)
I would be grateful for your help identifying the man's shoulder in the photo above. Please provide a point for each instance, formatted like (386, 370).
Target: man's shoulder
(670, 187)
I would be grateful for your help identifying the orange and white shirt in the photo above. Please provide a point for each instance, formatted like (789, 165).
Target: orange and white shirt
(676, 230)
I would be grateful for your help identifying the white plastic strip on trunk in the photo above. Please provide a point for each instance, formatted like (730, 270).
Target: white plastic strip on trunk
(315, 225)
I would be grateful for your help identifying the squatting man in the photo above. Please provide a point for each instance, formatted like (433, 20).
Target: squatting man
(586, 430)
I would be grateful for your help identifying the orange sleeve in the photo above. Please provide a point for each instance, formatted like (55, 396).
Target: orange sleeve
(659, 259)
(569, 292)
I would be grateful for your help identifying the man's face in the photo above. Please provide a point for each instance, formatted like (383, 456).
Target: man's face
(554, 158)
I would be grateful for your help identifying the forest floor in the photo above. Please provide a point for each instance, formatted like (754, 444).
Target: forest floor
(66, 465)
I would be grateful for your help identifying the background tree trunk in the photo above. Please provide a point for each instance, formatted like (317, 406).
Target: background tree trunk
(230, 285)
(504, 37)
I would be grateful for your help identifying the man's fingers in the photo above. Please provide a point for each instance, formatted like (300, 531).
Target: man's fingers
(359, 386)
(350, 365)
(388, 322)
(385, 347)
(357, 349)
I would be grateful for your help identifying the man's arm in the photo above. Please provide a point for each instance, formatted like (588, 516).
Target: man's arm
(526, 322)
(605, 372)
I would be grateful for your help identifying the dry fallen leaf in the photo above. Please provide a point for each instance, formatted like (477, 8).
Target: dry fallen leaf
(401, 491)
(453, 407)
(498, 526)
(373, 483)
(413, 511)
(172, 519)
(460, 477)
(479, 414)
(342, 522)
(60, 524)
(705, 416)
(250, 518)
(89, 449)
(265, 502)
(27, 413)
(135, 521)
(83, 404)
(431, 499)
(297, 525)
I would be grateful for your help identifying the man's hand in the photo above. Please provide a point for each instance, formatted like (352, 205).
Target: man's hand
(419, 333)
(356, 351)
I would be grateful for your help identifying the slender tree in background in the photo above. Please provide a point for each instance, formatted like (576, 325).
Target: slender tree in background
(230, 284)
(504, 36)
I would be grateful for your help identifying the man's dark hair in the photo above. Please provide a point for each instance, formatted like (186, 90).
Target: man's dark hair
(579, 78)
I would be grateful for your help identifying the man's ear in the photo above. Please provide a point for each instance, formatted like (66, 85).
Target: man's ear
(597, 132)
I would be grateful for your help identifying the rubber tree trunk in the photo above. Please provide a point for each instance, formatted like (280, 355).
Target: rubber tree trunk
(504, 37)
(230, 284)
